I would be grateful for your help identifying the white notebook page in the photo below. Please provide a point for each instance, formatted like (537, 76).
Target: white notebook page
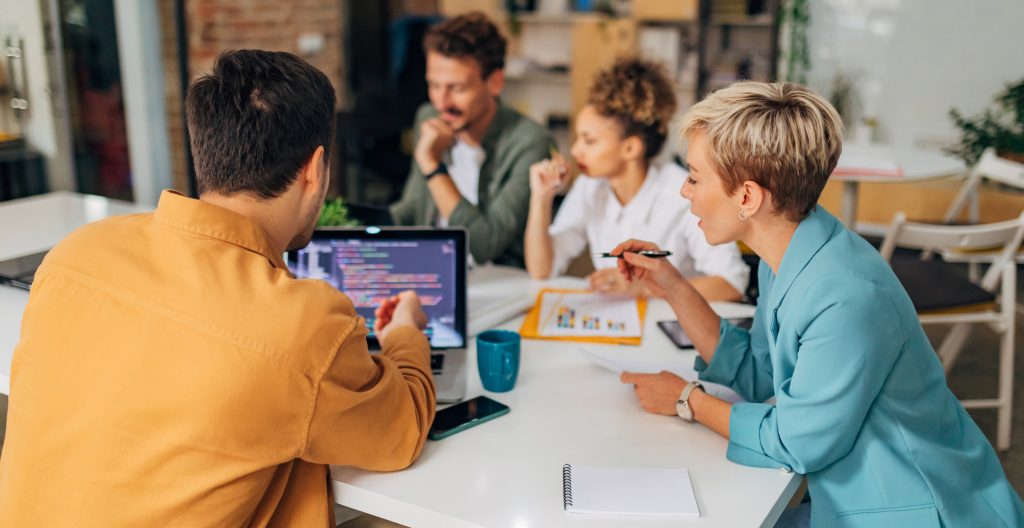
(632, 491)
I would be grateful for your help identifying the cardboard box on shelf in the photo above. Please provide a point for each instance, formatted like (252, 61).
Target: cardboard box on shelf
(596, 42)
(494, 9)
(669, 10)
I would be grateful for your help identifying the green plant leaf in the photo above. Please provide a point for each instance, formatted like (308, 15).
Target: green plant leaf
(1001, 127)
(335, 214)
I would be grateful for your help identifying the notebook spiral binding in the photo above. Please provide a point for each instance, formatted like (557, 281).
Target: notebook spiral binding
(566, 486)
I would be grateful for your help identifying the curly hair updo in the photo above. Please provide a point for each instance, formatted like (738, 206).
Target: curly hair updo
(638, 95)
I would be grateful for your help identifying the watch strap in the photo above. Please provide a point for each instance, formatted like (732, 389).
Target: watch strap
(441, 169)
(683, 408)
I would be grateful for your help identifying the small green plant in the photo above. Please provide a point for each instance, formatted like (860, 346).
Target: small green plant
(1001, 127)
(843, 96)
(796, 16)
(335, 214)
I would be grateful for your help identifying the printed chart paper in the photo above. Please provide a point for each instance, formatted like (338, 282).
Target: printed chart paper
(589, 315)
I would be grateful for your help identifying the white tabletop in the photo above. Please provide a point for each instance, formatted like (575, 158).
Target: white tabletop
(914, 163)
(36, 224)
(566, 409)
(877, 163)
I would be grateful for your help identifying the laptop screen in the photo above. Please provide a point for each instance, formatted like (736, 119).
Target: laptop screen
(372, 264)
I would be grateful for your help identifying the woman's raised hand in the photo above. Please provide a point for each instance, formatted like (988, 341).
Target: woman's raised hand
(548, 177)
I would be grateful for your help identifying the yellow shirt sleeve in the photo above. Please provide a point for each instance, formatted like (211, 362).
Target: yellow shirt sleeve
(373, 412)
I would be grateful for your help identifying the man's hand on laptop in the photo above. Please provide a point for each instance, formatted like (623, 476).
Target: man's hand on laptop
(403, 309)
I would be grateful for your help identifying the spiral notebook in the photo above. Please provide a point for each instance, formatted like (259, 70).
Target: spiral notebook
(628, 491)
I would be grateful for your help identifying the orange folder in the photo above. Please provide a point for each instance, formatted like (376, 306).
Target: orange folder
(531, 330)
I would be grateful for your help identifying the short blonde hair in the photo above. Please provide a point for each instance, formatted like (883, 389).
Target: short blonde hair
(782, 136)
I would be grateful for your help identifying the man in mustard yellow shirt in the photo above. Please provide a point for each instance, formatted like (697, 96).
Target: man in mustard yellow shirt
(171, 372)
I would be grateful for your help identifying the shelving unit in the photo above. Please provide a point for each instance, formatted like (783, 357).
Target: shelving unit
(738, 41)
(705, 45)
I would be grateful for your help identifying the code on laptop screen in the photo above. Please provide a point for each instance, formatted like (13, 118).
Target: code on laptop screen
(369, 271)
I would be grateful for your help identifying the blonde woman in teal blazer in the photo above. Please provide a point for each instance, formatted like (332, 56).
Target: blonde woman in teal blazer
(852, 393)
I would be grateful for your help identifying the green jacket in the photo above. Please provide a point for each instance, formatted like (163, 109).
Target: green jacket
(496, 225)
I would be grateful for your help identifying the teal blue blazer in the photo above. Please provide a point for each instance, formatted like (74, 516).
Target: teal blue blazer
(861, 403)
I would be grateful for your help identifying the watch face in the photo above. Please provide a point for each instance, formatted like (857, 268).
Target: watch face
(684, 411)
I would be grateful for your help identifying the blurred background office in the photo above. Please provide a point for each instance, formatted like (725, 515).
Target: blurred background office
(91, 91)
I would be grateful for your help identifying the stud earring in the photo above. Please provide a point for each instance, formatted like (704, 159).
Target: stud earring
(743, 215)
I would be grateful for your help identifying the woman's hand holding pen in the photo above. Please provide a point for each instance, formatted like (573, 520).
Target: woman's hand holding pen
(548, 177)
(657, 274)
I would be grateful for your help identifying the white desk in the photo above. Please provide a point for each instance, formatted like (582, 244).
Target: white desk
(916, 164)
(565, 409)
(35, 224)
(506, 472)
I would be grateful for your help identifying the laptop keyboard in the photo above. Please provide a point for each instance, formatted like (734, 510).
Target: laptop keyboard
(436, 362)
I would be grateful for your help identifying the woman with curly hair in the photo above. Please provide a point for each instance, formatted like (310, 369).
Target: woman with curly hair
(621, 193)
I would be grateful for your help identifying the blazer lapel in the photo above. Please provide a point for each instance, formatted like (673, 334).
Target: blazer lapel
(812, 233)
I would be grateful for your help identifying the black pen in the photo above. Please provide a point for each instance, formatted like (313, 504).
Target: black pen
(645, 253)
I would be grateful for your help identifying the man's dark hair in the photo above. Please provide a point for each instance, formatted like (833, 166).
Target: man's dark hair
(255, 121)
(472, 35)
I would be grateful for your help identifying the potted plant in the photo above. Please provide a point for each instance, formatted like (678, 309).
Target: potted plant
(335, 214)
(1001, 127)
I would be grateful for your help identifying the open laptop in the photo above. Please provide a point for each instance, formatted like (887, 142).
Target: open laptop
(371, 264)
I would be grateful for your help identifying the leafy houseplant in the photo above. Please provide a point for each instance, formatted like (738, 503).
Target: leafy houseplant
(795, 15)
(1001, 127)
(335, 214)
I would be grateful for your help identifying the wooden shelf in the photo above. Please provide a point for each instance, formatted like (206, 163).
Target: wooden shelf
(742, 22)
(559, 19)
(540, 77)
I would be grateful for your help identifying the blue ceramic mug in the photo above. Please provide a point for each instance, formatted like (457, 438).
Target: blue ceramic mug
(497, 359)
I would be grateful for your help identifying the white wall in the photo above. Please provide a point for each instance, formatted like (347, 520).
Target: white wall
(915, 59)
(142, 76)
(24, 18)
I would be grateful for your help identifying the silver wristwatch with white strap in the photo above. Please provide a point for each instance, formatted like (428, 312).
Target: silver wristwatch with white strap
(683, 408)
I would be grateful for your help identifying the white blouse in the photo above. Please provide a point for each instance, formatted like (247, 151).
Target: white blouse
(591, 214)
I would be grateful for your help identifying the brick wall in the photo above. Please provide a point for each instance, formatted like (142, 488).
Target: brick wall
(214, 26)
(172, 95)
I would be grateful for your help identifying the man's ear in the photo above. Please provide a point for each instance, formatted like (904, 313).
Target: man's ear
(314, 172)
(495, 82)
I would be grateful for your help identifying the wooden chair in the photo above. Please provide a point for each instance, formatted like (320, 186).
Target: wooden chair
(943, 296)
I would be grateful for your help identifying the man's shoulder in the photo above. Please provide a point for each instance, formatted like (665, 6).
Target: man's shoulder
(424, 112)
(98, 236)
(523, 132)
(136, 257)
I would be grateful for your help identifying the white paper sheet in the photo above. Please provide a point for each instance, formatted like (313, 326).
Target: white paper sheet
(682, 368)
(589, 315)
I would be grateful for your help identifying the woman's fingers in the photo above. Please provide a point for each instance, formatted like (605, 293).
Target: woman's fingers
(634, 378)
(633, 246)
(640, 261)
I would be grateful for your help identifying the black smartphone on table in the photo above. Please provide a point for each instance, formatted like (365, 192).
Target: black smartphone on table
(462, 416)
(676, 334)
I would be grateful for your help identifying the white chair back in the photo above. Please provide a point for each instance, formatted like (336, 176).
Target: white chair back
(989, 166)
(1006, 235)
